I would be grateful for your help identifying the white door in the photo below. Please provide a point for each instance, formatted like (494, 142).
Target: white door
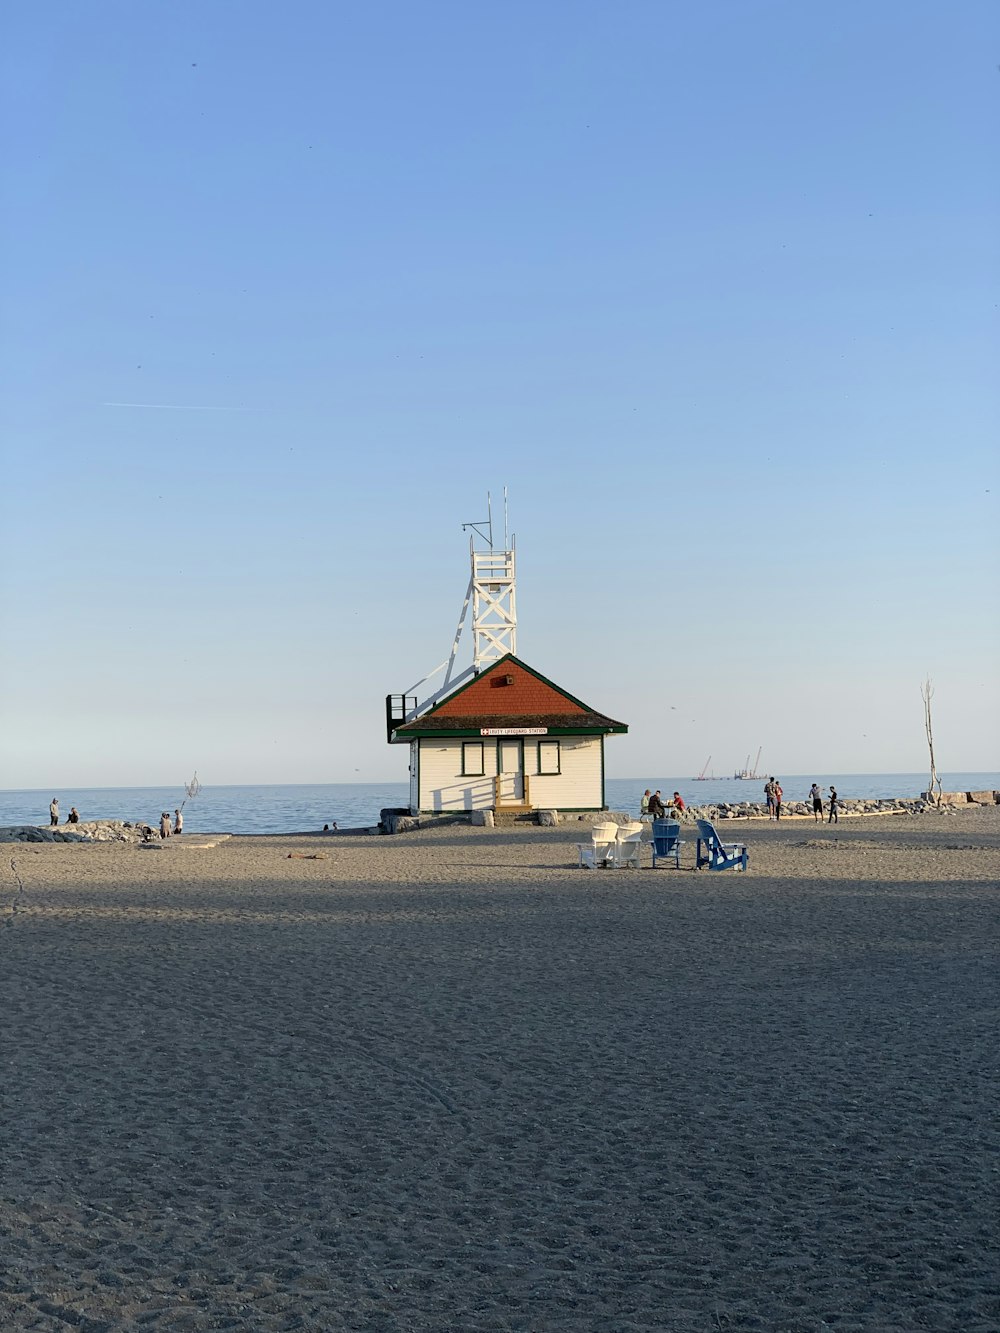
(414, 777)
(511, 771)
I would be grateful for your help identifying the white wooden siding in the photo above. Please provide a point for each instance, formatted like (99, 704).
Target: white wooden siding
(442, 786)
(577, 787)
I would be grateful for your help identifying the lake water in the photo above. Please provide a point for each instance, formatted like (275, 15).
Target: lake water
(290, 809)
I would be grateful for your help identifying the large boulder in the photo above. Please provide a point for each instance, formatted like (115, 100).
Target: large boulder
(26, 833)
(44, 833)
(398, 822)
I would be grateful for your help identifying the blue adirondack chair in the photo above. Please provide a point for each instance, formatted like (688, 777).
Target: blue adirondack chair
(667, 841)
(718, 855)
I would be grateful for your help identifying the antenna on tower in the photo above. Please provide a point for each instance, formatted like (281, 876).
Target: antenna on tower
(487, 522)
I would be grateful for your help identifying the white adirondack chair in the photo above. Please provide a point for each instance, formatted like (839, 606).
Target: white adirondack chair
(601, 848)
(628, 847)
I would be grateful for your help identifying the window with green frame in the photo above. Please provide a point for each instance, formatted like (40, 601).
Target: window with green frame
(472, 759)
(549, 757)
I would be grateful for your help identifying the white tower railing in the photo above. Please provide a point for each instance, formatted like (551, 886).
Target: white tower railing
(494, 607)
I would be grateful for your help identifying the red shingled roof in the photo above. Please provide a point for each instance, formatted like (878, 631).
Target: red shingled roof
(509, 693)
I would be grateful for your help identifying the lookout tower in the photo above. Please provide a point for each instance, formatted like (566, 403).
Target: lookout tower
(494, 607)
(491, 592)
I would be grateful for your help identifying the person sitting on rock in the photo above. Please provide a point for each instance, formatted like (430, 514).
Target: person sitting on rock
(73, 817)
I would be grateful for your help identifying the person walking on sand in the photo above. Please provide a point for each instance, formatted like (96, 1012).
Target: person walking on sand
(778, 793)
(817, 803)
(178, 822)
(834, 815)
(165, 824)
(769, 797)
(54, 811)
(644, 804)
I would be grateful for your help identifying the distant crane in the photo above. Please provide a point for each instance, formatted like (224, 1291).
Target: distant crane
(701, 776)
(746, 771)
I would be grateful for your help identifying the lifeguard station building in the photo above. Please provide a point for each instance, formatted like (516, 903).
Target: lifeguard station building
(500, 736)
(508, 740)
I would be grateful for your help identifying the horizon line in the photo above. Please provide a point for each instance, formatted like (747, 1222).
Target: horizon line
(403, 781)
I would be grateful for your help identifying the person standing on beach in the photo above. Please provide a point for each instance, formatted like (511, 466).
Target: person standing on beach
(178, 822)
(778, 793)
(817, 803)
(165, 824)
(769, 797)
(834, 816)
(54, 811)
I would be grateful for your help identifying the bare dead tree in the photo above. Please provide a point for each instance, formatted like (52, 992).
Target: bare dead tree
(192, 789)
(927, 693)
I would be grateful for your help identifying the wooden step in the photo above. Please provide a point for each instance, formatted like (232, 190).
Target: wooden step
(513, 814)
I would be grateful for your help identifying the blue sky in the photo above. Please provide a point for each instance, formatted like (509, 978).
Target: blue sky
(711, 289)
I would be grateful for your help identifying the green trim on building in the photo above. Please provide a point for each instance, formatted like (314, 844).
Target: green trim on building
(475, 733)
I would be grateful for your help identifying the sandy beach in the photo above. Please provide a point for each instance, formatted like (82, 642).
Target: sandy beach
(448, 1080)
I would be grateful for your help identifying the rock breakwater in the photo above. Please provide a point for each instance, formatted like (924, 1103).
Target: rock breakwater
(98, 830)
